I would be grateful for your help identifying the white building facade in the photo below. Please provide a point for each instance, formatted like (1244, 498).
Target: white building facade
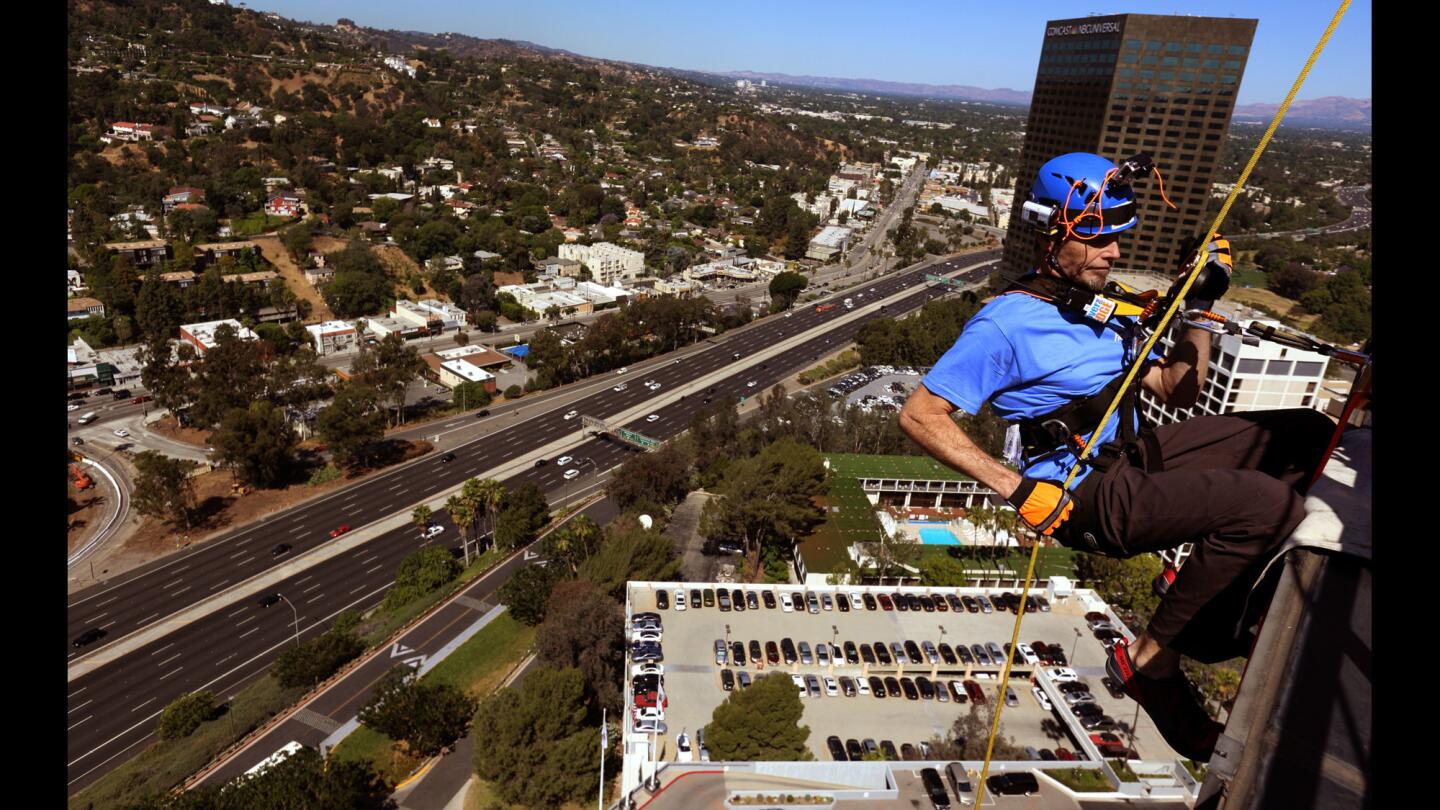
(608, 262)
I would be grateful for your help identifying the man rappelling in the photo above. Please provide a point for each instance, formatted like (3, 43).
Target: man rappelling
(1050, 354)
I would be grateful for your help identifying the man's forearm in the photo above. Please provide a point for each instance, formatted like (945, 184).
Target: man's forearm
(947, 443)
(1186, 366)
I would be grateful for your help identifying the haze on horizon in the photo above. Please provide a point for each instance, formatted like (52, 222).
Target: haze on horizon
(994, 46)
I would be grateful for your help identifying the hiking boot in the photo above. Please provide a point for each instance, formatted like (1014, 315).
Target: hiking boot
(1171, 702)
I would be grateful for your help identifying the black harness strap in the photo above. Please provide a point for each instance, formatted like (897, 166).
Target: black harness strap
(1065, 426)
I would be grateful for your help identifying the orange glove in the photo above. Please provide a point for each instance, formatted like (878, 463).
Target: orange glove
(1043, 505)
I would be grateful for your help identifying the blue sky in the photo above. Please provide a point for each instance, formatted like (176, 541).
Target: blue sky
(992, 44)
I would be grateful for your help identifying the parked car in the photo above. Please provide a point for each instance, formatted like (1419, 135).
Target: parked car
(722, 653)
(772, 653)
(769, 599)
(947, 654)
(744, 678)
(727, 680)
(837, 749)
(737, 653)
(847, 686)
(876, 685)
(1113, 687)
(957, 691)
(977, 695)
(1062, 674)
(662, 600)
(882, 654)
(1042, 698)
(926, 688)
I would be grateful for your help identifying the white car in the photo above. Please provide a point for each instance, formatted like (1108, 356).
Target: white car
(650, 713)
(649, 669)
(799, 684)
(652, 418)
(832, 687)
(563, 460)
(861, 687)
(857, 600)
(647, 635)
(785, 603)
(121, 432)
(1062, 674)
(621, 370)
(655, 387)
(679, 600)
(788, 314)
(620, 387)
(646, 726)
(1028, 653)
(1042, 698)
(72, 407)
(431, 531)
(649, 383)
(571, 475)
(572, 414)
(750, 384)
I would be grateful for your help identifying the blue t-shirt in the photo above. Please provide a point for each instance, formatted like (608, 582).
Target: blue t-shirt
(1028, 357)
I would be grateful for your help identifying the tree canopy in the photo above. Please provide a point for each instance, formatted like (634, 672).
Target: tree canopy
(759, 724)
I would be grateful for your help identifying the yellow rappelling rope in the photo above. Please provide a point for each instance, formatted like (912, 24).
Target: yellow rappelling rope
(1135, 367)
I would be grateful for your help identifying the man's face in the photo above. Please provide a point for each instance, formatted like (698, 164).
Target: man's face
(1087, 262)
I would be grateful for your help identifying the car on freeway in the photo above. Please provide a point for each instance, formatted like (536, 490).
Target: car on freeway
(283, 548)
(268, 599)
(652, 418)
(121, 432)
(72, 407)
(447, 458)
(620, 387)
(484, 412)
(77, 441)
(89, 637)
(339, 530)
(572, 414)
(563, 460)
(571, 475)
(540, 462)
(621, 370)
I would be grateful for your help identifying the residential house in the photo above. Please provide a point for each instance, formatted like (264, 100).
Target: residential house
(142, 253)
(283, 204)
(211, 252)
(82, 308)
(433, 123)
(180, 278)
(180, 195)
(74, 283)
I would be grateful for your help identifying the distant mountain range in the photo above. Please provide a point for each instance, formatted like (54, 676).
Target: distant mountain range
(959, 92)
(1331, 111)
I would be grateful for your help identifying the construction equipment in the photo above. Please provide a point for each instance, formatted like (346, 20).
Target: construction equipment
(81, 480)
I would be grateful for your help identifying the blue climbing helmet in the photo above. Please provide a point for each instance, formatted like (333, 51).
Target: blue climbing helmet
(1083, 193)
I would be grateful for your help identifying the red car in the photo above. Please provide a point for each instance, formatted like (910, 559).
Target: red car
(646, 700)
(977, 695)
(140, 399)
(1109, 744)
(1065, 754)
(885, 602)
(339, 531)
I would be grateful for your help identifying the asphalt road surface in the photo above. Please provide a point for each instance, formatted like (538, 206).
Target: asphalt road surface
(112, 709)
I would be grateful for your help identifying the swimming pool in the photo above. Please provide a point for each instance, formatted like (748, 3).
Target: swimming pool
(938, 537)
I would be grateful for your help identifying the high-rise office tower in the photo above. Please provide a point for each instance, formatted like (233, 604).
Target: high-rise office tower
(1128, 83)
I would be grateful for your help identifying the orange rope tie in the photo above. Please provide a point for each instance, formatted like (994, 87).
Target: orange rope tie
(1161, 181)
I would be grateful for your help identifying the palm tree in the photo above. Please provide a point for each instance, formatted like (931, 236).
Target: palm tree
(421, 516)
(463, 514)
(488, 495)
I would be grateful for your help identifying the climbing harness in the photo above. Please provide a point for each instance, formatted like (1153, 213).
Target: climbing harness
(1178, 295)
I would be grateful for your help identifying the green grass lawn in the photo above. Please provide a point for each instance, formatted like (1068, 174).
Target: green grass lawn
(255, 222)
(476, 668)
(165, 764)
(1082, 780)
(1123, 771)
(850, 465)
(380, 626)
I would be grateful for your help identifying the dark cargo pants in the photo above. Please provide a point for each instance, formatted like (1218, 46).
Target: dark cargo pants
(1233, 485)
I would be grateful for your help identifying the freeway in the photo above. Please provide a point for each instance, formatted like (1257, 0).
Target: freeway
(112, 708)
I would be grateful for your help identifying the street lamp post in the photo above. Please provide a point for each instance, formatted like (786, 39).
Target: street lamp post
(1075, 644)
(297, 617)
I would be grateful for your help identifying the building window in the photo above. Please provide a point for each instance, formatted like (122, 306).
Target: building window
(1236, 50)
(1251, 365)
(1173, 47)
(1308, 368)
(1152, 45)
(1279, 367)
(1310, 388)
(1215, 49)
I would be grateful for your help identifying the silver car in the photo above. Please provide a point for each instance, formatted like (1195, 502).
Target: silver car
(722, 653)
(805, 656)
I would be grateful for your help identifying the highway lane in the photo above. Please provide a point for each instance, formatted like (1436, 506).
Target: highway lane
(152, 592)
(113, 709)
